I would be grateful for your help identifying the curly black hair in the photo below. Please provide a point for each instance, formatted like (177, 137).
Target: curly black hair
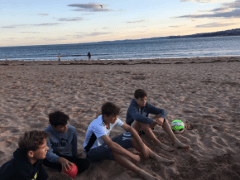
(58, 118)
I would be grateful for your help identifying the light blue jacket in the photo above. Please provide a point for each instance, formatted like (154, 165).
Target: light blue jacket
(61, 143)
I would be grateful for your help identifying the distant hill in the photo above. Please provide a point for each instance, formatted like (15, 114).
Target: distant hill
(232, 32)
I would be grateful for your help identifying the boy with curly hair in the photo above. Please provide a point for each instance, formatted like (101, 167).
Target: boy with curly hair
(62, 144)
(28, 158)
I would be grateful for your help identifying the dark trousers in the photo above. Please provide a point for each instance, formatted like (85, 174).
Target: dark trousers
(81, 163)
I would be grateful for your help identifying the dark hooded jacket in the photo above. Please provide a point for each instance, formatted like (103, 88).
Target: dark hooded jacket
(19, 168)
(141, 115)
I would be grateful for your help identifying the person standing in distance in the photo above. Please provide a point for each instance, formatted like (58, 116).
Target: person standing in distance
(89, 56)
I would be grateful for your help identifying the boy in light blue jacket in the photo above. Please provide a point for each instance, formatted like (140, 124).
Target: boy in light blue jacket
(62, 144)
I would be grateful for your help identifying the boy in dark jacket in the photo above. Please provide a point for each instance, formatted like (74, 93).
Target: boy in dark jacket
(28, 158)
(137, 117)
(62, 144)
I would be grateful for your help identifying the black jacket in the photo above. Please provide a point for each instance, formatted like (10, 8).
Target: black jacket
(19, 168)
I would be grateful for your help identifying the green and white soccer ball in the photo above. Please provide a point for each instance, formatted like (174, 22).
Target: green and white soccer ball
(177, 126)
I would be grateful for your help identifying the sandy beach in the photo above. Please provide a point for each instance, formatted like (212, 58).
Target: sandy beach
(202, 92)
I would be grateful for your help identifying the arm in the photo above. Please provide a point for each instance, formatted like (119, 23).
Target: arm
(13, 170)
(134, 134)
(133, 112)
(7, 171)
(136, 137)
(52, 157)
(157, 111)
(74, 144)
(114, 147)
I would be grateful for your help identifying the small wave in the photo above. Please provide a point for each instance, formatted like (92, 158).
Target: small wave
(84, 55)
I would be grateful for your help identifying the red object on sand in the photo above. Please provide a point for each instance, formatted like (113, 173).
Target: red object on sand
(73, 172)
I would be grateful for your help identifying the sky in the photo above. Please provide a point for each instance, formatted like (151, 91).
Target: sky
(41, 22)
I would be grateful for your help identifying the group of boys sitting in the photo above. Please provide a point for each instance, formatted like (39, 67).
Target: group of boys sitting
(56, 146)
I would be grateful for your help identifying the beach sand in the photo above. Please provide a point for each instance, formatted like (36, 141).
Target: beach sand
(202, 92)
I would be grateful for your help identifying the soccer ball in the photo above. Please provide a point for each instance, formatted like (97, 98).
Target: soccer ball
(177, 126)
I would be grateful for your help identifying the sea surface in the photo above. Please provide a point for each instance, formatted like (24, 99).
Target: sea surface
(128, 49)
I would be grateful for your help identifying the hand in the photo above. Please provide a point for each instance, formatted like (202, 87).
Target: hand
(155, 122)
(65, 163)
(135, 158)
(159, 121)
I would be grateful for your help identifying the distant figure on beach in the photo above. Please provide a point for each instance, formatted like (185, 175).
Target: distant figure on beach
(89, 56)
(6, 58)
(59, 56)
(28, 158)
(137, 117)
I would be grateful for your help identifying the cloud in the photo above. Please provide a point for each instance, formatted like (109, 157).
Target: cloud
(211, 25)
(30, 32)
(43, 14)
(232, 14)
(98, 33)
(46, 24)
(176, 26)
(228, 10)
(81, 35)
(90, 7)
(29, 25)
(9, 27)
(203, 1)
(71, 19)
(136, 21)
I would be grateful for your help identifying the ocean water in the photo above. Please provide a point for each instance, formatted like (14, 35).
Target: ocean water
(128, 49)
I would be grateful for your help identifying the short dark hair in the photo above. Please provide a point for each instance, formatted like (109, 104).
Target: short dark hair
(140, 93)
(109, 108)
(60, 176)
(31, 140)
(58, 118)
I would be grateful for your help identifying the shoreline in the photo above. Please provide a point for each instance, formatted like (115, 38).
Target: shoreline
(128, 62)
(127, 59)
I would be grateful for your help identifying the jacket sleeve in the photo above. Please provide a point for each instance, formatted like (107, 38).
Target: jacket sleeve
(7, 171)
(133, 112)
(154, 110)
(52, 157)
(74, 143)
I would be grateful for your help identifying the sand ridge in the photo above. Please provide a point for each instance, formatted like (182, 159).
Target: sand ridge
(203, 92)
